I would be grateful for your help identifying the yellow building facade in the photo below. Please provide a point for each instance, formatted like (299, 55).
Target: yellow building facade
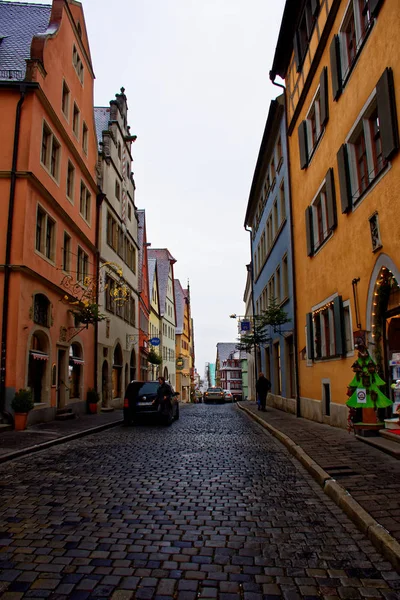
(183, 343)
(340, 62)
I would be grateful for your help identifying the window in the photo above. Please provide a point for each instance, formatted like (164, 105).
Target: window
(70, 180)
(111, 232)
(50, 152)
(82, 266)
(279, 154)
(77, 62)
(66, 252)
(129, 211)
(131, 257)
(119, 150)
(65, 100)
(375, 233)
(282, 204)
(326, 336)
(85, 200)
(321, 218)
(272, 172)
(312, 128)
(285, 277)
(117, 190)
(373, 140)
(278, 284)
(109, 294)
(275, 217)
(41, 310)
(348, 328)
(132, 311)
(304, 31)
(85, 138)
(347, 45)
(75, 120)
(45, 234)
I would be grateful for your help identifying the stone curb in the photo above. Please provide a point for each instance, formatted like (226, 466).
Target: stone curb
(61, 440)
(375, 532)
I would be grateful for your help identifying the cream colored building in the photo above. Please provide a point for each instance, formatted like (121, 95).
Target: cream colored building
(154, 318)
(118, 334)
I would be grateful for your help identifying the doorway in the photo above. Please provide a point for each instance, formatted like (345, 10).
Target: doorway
(104, 384)
(61, 385)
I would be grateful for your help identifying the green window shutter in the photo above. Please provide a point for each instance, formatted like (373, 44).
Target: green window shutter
(374, 6)
(303, 144)
(310, 336)
(330, 200)
(309, 231)
(386, 104)
(297, 53)
(323, 96)
(336, 70)
(344, 179)
(340, 339)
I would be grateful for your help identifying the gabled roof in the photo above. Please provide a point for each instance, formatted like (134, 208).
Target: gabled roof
(179, 306)
(151, 262)
(224, 350)
(19, 23)
(101, 120)
(164, 261)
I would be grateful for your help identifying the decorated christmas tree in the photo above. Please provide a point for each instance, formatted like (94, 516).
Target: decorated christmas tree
(364, 389)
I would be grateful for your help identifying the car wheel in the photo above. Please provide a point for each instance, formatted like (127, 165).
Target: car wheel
(177, 414)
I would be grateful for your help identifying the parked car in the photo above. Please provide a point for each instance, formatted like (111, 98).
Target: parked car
(214, 395)
(228, 397)
(141, 399)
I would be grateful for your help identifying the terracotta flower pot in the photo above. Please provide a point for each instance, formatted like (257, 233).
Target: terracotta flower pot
(20, 420)
(93, 408)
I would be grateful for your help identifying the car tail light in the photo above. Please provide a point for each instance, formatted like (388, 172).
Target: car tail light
(126, 402)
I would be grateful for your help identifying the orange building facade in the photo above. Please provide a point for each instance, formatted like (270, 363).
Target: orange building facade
(48, 189)
(341, 66)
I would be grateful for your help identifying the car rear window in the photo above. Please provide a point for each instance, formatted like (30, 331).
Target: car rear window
(214, 390)
(138, 388)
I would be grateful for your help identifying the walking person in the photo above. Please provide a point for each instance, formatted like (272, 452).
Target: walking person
(263, 386)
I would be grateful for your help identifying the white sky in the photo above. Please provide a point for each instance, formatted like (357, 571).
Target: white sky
(195, 74)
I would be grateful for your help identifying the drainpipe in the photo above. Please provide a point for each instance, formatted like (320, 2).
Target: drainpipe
(252, 305)
(7, 266)
(99, 200)
(296, 353)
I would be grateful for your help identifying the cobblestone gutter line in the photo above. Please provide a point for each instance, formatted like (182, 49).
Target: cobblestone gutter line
(61, 440)
(379, 536)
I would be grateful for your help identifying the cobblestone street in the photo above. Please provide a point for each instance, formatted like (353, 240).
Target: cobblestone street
(211, 507)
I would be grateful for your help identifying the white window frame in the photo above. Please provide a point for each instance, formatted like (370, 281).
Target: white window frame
(353, 7)
(43, 235)
(315, 107)
(78, 64)
(318, 200)
(49, 151)
(85, 207)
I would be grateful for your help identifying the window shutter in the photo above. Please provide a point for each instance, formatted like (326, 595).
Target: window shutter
(330, 200)
(314, 7)
(310, 336)
(374, 6)
(303, 144)
(344, 179)
(340, 341)
(309, 231)
(296, 49)
(335, 67)
(387, 114)
(323, 96)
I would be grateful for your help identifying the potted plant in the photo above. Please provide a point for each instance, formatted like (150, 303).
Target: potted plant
(21, 404)
(92, 398)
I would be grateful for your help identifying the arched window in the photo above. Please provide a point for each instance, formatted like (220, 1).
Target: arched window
(41, 310)
(75, 370)
(117, 372)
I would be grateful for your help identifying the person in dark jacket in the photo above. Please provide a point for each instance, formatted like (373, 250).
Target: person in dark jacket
(263, 386)
(164, 395)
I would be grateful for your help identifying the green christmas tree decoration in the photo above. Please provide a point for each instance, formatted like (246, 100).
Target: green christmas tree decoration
(364, 389)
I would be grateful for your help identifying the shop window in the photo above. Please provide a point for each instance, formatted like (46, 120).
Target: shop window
(75, 369)
(41, 310)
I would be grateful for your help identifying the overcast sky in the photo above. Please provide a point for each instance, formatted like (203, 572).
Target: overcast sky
(196, 78)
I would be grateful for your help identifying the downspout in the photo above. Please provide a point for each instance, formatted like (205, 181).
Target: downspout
(7, 266)
(252, 304)
(99, 200)
(296, 353)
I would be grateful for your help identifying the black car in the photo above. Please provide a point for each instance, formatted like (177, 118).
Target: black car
(141, 399)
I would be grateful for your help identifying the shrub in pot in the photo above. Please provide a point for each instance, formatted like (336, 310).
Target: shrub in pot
(21, 404)
(92, 398)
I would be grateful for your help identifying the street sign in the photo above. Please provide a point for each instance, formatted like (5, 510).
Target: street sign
(245, 325)
(155, 341)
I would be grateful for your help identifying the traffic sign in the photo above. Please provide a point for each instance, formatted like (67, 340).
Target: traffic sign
(155, 341)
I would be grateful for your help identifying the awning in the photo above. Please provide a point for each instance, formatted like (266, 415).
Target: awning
(76, 361)
(37, 355)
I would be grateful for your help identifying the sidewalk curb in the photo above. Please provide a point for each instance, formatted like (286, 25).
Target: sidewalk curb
(376, 533)
(61, 440)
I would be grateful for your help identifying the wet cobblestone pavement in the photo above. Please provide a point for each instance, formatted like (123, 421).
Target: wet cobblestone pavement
(211, 507)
